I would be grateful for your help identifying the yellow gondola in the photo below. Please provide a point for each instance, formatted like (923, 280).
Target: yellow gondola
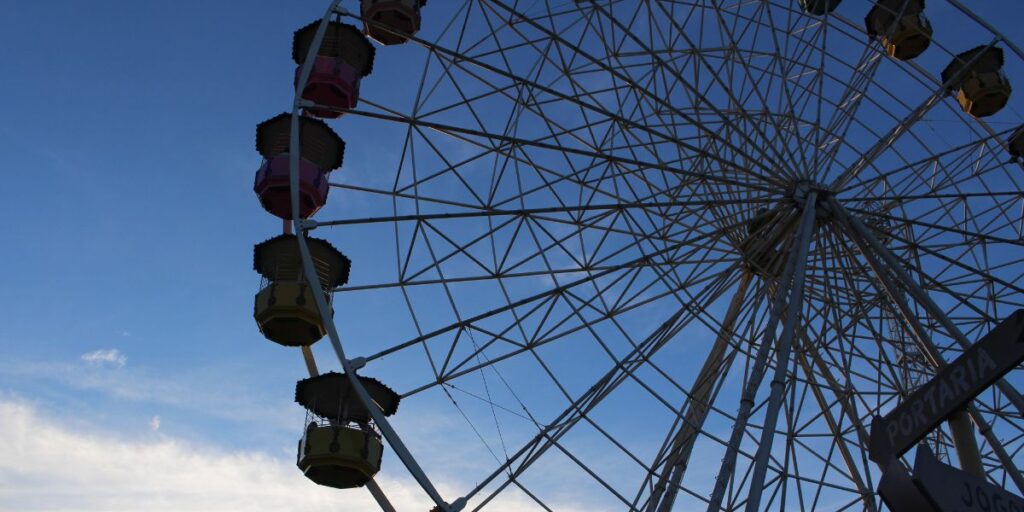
(901, 27)
(341, 447)
(976, 78)
(285, 308)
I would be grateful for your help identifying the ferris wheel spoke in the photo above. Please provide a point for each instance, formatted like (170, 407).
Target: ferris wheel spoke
(800, 49)
(970, 177)
(956, 205)
(633, 104)
(458, 59)
(696, 408)
(847, 412)
(915, 197)
(786, 57)
(553, 243)
(620, 371)
(555, 134)
(782, 78)
(494, 337)
(971, 235)
(730, 57)
(463, 134)
(957, 157)
(640, 235)
(787, 134)
(625, 79)
(700, 97)
(467, 365)
(804, 46)
(507, 270)
(660, 88)
(794, 265)
(846, 112)
(953, 262)
(534, 108)
(538, 213)
(985, 316)
(556, 290)
(869, 156)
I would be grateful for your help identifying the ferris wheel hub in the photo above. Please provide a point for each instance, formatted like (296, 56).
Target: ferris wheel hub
(801, 190)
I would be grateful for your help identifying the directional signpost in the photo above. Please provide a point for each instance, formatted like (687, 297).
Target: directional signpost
(937, 487)
(952, 490)
(952, 388)
(899, 492)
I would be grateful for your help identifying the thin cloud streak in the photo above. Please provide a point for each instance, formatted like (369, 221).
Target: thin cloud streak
(111, 356)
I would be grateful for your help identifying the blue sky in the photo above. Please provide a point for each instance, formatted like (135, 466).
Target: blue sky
(129, 219)
(139, 117)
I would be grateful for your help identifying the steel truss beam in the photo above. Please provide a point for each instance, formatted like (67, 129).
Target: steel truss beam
(697, 407)
(787, 286)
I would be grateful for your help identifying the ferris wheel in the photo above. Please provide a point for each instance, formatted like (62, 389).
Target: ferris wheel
(652, 256)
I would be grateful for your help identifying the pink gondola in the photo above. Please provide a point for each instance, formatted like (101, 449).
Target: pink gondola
(343, 59)
(322, 151)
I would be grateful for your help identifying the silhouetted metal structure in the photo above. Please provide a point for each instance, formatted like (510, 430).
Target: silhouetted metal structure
(739, 222)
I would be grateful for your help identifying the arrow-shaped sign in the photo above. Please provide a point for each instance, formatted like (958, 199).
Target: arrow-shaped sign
(952, 490)
(952, 388)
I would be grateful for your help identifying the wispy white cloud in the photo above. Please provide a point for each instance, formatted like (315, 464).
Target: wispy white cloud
(47, 466)
(200, 391)
(154, 423)
(112, 357)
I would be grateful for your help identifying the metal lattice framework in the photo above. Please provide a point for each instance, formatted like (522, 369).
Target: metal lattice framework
(659, 256)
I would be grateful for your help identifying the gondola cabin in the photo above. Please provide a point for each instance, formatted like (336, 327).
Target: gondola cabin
(1016, 143)
(976, 78)
(391, 21)
(272, 187)
(341, 447)
(901, 27)
(285, 307)
(345, 56)
(342, 457)
(321, 151)
(819, 7)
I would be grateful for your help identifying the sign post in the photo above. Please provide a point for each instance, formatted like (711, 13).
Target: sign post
(952, 490)
(952, 388)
